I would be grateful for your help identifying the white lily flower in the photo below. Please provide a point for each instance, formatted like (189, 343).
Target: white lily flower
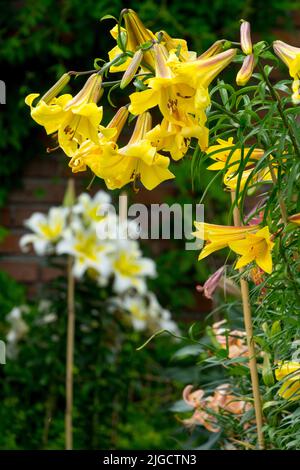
(130, 268)
(136, 306)
(88, 252)
(145, 312)
(18, 329)
(93, 209)
(47, 228)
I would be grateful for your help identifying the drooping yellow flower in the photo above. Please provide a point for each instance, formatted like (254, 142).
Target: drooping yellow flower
(176, 139)
(252, 242)
(219, 236)
(90, 154)
(290, 389)
(232, 179)
(179, 88)
(255, 247)
(227, 155)
(76, 119)
(290, 55)
(174, 96)
(83, 116)
(199, 73)
(179, 97)
(138, 160)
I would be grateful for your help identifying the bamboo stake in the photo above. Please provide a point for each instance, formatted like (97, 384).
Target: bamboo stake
(250, 341)
(70, 356)
(69, 202)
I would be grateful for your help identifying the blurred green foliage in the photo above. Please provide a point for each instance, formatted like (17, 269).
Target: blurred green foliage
(121, 396)
(42, 39)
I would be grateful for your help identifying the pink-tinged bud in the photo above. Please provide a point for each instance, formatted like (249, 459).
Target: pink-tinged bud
(132, 68)
(56, 89)
(295, 218)
(245, 33)
(214, 49)
(246, 70)
(211, 283)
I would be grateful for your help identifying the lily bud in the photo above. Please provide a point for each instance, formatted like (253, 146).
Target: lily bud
(245, 34)
(214, 49)
(246, 70)
(142, 126)
(118, 122)
(138, 34)
(91, 92)
(56, 88)
(132, 68)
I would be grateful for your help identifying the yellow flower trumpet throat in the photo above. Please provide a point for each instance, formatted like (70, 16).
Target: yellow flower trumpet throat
(139, 160)
(251, 242)
(90, 154)
(75, 119)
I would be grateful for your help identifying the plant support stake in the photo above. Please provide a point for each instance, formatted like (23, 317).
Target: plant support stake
(69, 201)
(250, 341)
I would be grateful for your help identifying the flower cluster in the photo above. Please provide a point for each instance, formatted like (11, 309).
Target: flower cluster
(207, 408)
(167, 75)
(173, 79)
(100, 246)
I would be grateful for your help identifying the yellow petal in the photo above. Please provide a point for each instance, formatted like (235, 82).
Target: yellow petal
(142, 101)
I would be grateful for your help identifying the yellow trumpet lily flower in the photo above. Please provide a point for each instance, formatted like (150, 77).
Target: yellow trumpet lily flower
(227, 155)
(290, 389)
(219, 236)
(231, 179)
(76, 119)
(90, 154)
(138, 160)
(176, 139)
(290, 55)
(255, 247)
(253, 243)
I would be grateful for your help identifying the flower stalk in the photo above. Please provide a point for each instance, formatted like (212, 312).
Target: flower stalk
(250, 341)
(69, 202)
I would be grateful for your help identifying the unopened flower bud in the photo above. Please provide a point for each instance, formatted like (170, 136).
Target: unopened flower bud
(245, 33)
(214, 49)
(56, 88)
(132, 68)
(246, 70)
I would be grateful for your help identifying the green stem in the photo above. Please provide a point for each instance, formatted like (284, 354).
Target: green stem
(225, 111)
